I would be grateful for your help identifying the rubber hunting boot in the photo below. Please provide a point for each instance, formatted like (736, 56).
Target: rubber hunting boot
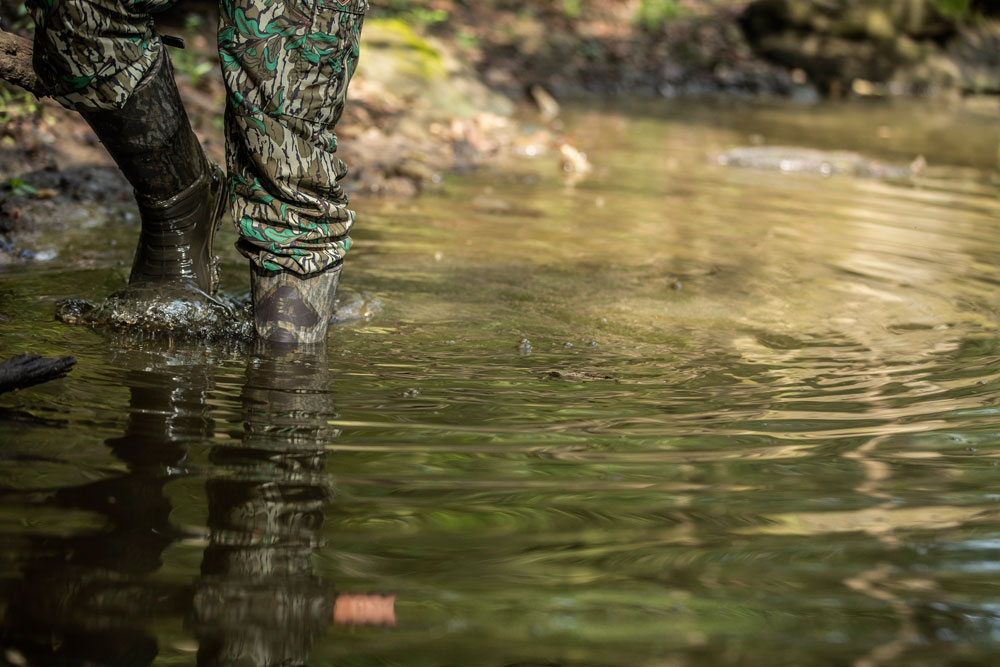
(289, 309)
(180, 193)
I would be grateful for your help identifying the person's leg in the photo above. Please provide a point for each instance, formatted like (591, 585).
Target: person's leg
(104, 59)
(287, 65)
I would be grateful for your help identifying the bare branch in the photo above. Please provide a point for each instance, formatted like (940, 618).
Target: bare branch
(25, 370)
(15, 63)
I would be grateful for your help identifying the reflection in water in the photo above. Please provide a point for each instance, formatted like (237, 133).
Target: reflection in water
(258, 601)
(795, 463)
(90, 598)
(86, 598)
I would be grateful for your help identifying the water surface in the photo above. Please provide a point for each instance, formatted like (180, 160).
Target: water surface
(672, 414)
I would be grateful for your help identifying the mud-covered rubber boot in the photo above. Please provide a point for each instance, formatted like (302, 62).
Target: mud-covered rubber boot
(289, 309)
(181, 194)
(175, 243)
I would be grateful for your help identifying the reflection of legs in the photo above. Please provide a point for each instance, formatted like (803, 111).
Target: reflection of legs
(86, 599)
(287, 66)
(104, 59)
(258, 601)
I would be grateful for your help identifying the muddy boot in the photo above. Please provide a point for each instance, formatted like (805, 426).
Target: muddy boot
(180, 194)
(175, 244)
(289, 309)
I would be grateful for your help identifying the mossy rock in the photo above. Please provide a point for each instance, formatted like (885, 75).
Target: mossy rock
(425, 72)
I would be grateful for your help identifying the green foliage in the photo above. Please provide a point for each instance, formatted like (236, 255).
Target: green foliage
(15, 102)
(17, 186)
(954, 9)
(652, 14)
(17, 17)
(573, 8)
(193, 22)
(188, 62)
(467, 39)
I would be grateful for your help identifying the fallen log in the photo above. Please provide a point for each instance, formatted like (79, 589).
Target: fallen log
(15, 63)
(26, 370)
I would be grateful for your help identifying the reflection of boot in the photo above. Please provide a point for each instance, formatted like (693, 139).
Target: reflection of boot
(290, 309)
(91, 596)
(258, 601)
(180, 194)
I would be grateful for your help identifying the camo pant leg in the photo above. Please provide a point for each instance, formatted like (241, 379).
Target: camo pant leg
(287, 65)
(91, 54)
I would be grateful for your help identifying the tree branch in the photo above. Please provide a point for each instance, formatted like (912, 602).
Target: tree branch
(25, 370)
(15, 63)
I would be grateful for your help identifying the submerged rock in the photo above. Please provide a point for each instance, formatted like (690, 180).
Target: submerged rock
(793, 159)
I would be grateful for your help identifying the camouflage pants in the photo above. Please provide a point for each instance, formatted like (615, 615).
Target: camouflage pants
(286, 65)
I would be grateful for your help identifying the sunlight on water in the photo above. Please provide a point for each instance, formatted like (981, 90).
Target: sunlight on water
(678, 413)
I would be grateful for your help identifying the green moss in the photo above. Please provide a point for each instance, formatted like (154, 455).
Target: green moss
(421, 57)
(652, 14)
(573, 8)
(954, 9)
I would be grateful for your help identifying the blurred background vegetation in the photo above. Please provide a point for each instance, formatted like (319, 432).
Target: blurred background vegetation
(440, 80)
(682, 47)
(458, 58)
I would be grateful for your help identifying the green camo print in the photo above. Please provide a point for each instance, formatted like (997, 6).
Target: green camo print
(286, 64)
(90, 54)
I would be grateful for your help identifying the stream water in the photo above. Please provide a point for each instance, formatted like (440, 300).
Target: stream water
(674, 414)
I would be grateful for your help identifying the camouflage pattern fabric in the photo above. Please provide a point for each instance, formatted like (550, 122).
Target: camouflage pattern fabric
(287, 65)
(91, 54)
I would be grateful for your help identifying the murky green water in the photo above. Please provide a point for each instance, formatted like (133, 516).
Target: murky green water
(794, 460)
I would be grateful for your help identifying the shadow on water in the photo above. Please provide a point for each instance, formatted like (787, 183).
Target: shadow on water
(92, 597)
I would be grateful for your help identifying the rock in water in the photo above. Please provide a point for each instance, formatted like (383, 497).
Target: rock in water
(793, 159)
(179, 311)
(192, 313)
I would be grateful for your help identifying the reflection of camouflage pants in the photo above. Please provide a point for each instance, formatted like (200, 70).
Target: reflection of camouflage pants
(287, 65)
